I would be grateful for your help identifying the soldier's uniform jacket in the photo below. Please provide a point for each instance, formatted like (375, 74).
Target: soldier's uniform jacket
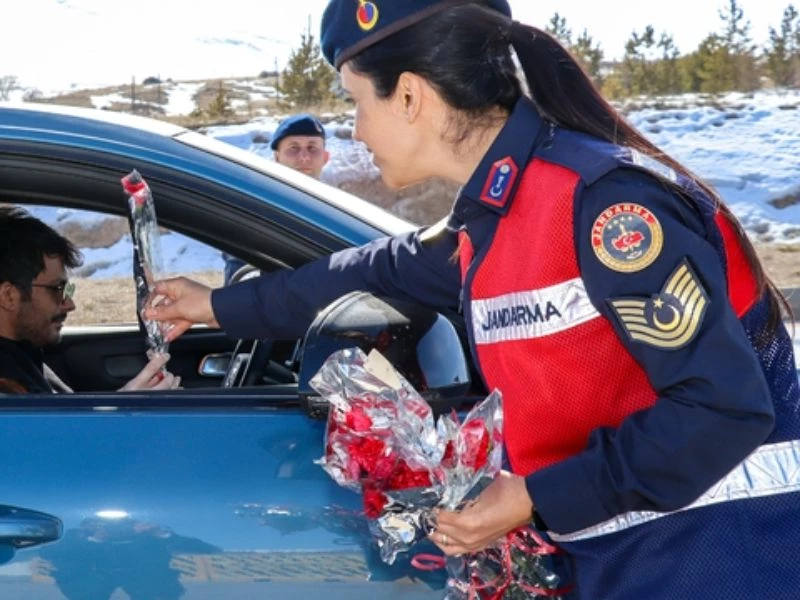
(610, 302)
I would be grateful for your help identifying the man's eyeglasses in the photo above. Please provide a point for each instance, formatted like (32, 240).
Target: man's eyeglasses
(64, 291)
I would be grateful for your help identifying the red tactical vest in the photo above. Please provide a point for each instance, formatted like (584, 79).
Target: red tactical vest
(560, 365)
(561, 368)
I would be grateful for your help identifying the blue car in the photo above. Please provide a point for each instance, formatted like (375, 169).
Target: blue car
(210, 491)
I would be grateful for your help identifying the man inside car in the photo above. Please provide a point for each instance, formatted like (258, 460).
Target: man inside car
(298, 143)
(35, 299)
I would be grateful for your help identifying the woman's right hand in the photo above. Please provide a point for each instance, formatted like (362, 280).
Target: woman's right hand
(183, 303)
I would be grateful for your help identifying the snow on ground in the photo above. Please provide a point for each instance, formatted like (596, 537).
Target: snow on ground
(108, 100)
(180, 99)
(748, 147)
(179, 255)
(750, 152)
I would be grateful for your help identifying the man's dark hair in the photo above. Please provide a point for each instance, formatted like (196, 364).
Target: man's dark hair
(24, 242)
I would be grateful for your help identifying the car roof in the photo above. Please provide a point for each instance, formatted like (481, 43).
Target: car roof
(115, 132)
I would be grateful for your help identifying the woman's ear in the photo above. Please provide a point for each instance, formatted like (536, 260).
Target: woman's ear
(410, 95)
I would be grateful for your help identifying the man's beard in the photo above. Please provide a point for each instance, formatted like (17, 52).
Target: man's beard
(37, 331)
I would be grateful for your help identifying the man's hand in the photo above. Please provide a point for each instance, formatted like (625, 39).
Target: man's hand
(153, 376)
(502, 507)
(184, 303)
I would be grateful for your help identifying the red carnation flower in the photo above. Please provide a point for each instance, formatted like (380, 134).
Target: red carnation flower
(357, 419)
(375, 459)
(476, 444)
(374, 502)
(449, 458)
(404, 477)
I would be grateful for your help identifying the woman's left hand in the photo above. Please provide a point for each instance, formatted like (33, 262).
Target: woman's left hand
(503, 506)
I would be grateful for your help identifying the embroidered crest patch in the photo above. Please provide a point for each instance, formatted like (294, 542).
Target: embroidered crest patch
(627, 237)
(670, 319)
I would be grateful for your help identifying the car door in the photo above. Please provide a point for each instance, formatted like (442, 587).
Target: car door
(190, 495)
(198, 493)
(102, 358)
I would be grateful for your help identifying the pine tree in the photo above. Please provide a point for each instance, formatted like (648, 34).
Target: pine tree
(668, 79)
(589, 55)
(783, 51)
(557, 27)
(307, 80)
(689, 68)
(715, 69)
(638, 64)
(585, 51)
(740, 51)
(221, 105)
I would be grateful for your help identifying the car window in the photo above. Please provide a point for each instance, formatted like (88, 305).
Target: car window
(105, 293)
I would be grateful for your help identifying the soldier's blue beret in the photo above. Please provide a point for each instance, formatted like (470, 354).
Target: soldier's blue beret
(302, 124)
(350, 26)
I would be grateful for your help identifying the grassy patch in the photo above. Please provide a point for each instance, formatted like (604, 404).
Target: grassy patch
(113, 301)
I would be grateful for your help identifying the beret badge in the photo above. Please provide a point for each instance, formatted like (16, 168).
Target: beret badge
(366, 15)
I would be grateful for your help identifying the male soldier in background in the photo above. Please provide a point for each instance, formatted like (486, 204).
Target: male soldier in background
(298, 143)
(35, 299)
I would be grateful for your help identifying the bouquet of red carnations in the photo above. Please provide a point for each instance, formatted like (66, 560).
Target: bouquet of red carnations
(382, 441)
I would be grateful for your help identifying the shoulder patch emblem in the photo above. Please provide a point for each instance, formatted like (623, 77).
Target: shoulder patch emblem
(670, 319)
(627, 237)
(500, 181)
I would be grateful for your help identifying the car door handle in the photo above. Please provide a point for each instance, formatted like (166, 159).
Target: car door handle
(21, 528)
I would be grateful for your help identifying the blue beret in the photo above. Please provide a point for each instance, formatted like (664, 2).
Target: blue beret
(350, 26)
(302, 124)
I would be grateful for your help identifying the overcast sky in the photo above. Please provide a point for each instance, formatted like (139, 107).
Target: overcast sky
(54, 43)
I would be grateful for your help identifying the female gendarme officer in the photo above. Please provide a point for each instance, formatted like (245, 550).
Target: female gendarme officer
(649, 385)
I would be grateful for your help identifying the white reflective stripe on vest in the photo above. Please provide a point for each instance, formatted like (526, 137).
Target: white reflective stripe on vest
(531, 314)
(770, 470)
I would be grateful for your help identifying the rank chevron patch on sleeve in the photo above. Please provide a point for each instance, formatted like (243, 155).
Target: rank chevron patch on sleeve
(670, 319)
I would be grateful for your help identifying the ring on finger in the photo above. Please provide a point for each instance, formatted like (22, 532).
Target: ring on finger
(444, 539)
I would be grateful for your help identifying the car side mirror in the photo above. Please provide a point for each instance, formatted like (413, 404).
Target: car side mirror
(421, 343)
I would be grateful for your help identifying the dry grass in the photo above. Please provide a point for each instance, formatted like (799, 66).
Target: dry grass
(782, 263)
(113, 301)
(424, 203)
(150, 100)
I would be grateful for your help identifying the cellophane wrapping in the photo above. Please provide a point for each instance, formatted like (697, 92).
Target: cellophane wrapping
(383, 441)
(147, 262)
